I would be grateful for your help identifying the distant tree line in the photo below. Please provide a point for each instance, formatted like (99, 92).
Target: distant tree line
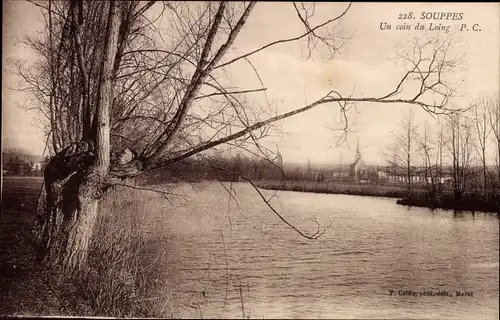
(465, 141)
(237, 168)
(16, 166)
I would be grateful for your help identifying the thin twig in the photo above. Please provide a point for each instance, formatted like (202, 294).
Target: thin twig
(312, 237)
(164, 193)
(231, 196)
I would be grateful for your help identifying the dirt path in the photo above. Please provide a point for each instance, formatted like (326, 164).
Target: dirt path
(24, 289)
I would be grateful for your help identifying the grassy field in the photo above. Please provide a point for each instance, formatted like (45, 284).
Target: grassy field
(392, 191)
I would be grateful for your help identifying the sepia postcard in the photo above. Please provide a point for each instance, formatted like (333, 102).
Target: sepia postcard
(237, 159)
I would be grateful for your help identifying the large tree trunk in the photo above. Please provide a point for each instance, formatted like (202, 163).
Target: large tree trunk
(68, 203)
(67, 208)
(67, 230)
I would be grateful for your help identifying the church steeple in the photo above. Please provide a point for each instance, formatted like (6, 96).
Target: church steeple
(358, 154)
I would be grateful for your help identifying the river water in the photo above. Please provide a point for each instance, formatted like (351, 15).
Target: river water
(240, 260)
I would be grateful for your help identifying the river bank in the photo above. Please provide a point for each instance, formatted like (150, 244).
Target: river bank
(116, 282)
(472, 205)
(419, 195)
(389, 191)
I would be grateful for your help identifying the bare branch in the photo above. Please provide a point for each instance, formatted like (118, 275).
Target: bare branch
(286, 40)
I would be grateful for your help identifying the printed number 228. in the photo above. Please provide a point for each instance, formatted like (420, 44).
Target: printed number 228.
(405, 16)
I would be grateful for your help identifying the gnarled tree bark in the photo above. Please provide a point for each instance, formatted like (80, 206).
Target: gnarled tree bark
(68, 206)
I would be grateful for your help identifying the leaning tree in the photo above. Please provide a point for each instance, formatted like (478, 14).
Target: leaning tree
(128, 87)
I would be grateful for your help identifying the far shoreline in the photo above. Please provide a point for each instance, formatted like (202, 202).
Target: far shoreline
(463, 206)
(470, 205)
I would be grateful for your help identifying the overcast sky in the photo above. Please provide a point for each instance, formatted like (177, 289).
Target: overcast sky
(363, 67)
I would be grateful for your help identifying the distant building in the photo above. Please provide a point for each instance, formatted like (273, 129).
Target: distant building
(358, 170)
(381, 175)
(418, 175)
(344, 174)
(37, 166)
